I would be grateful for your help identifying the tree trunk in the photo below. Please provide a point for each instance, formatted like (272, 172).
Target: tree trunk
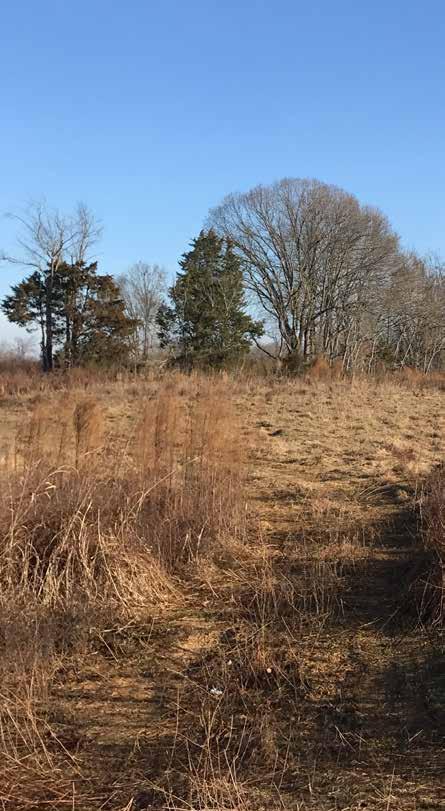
(48, 358)
(48, 361)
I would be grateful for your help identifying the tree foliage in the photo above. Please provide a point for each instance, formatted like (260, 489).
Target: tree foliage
(206, 322)
(88, 318)
(80, 314)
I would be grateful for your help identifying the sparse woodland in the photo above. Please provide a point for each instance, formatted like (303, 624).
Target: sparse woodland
(222, 518)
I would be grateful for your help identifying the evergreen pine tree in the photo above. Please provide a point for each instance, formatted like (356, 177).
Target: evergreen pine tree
(206, 323)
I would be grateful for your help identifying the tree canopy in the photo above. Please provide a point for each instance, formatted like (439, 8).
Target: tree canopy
(87, 314)
(313, 258)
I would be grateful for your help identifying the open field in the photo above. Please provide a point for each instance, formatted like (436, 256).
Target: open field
(214, 595)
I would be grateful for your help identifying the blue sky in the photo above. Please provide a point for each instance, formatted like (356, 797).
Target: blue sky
(150, 112)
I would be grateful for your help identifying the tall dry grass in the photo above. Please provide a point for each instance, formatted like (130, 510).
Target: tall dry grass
(83, 522)
(125, 501)
(18, 375)
(95, 534)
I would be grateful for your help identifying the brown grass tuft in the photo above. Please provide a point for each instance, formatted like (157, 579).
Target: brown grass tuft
(433, 526)
(88, 424)
(322, 369)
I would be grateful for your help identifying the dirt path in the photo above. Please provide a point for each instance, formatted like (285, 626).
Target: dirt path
(328, 483)
(377, 680)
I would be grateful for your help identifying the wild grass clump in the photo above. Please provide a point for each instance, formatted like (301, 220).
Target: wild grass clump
(433, 530)
(188, 461)
(19, 375)
(321, 369)
(416, 379)
(84, 525)
(269, 586)
(70, 541)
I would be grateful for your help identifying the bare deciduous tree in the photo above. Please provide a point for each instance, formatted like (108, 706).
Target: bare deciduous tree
(312, 256)
(413, 311)
(143, 287)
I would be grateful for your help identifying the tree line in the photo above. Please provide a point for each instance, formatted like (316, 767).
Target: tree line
(298, 268)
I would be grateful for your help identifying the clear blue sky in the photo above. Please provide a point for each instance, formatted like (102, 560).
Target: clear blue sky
(150, 112)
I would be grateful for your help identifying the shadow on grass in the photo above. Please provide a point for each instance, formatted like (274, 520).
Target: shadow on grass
(331, 709)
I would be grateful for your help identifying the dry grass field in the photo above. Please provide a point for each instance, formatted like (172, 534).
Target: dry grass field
(221, 593)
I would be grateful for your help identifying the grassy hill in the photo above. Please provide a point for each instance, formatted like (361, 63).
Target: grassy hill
(221, 593)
